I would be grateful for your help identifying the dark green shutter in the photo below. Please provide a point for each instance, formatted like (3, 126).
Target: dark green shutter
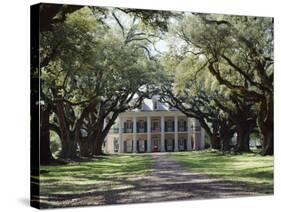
(145, 126)
(145, 145)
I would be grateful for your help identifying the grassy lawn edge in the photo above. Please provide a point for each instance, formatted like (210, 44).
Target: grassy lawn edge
(251, 170)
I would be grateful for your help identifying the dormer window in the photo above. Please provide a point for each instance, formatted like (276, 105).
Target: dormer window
(155, 105)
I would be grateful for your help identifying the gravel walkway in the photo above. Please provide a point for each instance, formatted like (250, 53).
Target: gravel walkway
(168, 181)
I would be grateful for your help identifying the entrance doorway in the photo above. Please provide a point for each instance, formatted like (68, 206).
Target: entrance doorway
(142, 146)
(169, 145)
(155, 145)
(182, 144)
(128, 146)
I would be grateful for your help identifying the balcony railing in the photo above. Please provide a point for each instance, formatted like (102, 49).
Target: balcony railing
(141, 130)
(169, 129)
(153, 130)
(127, 130)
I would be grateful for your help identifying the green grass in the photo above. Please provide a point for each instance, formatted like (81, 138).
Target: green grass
(83, 177)
(251, 170)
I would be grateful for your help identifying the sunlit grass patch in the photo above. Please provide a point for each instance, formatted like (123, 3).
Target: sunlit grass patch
(250, 169)
(83, 177)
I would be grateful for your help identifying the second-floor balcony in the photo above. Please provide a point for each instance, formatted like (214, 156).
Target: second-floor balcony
(154, 130)
(138, 130)
(157, 129)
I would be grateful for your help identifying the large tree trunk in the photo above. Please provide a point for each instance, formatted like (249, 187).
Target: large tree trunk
(86, 146)
(267, 146)
(65, 145)
(215, 141)
(226, 134)
(69, 146)
(45, 152)
(97, 147)
(97, 140)
(215, 138)
(101, 135)
(72, 146)
(92, 145)
(243, 138)
(225, 140)
(265, 123)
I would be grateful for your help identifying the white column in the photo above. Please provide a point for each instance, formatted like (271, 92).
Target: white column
(134, 134)
(121, 144)
(148, 121)
(162, 134)
(189, 133)
(202, 138)
(194, 124)
(176, 135)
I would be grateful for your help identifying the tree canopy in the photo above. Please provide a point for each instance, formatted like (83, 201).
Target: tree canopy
(96, 63)
(224, 64)
(88, 72)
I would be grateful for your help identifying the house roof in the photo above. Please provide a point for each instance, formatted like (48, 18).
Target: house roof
(147, 105)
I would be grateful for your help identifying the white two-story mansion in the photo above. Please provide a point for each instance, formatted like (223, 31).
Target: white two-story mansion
(154, 127)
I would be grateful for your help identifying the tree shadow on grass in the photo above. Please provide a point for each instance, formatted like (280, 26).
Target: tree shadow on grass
(140, 191)
(121, 181)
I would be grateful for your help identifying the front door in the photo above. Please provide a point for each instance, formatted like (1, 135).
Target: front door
(170, 145)
(141, 146)
(155, 145)
(181, 145)
(128, 146)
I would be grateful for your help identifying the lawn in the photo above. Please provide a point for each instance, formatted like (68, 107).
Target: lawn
(250, 170)
(97, 175)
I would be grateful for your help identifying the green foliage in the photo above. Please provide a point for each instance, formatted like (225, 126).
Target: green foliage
(236, 44)
(90, 71)
(93, 59)
(219, 69)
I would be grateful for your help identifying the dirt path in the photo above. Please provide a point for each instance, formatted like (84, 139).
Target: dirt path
(168, 181)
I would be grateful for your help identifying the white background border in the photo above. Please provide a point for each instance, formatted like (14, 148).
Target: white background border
(15, 118)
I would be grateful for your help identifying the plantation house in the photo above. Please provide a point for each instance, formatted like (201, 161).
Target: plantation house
(154, 127)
